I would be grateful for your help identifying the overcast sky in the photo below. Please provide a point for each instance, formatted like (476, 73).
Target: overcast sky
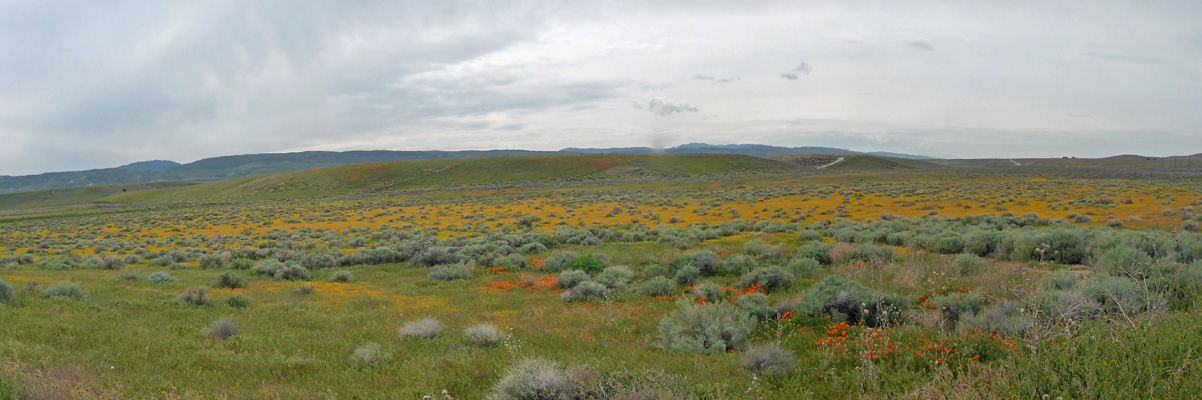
(93, 84)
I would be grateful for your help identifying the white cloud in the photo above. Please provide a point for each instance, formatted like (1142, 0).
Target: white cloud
(99, 85)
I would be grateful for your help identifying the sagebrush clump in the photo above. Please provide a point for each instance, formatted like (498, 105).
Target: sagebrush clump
(712, 328)
(425, 328)
(66, 289)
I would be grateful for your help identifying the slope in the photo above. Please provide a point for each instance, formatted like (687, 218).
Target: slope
(401, 175)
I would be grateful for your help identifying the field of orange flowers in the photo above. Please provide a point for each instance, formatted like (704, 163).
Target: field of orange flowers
(595, 280)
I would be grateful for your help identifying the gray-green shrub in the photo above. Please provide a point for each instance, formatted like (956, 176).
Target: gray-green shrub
(370, 356)
(657, 286)
(805, 267)
(768, 359)
(768, 278)
(570, 278)
(450, 272)
(6, 291)
(846, 300)
(223, 329)
(757, 305)
(538, 379)
(342, 277)
(687, 275)
(968, 264)
(160, 277)
(195, 296)
(66, 289)
(425, 328)
(483, 334)
(229, 281)
(953, 305)
(237, 301)
(585, 291)
(710, 328)
(616, 277)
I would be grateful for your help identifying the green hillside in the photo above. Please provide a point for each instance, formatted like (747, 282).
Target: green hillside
(66, 197)
(880, 163)
(401, 175)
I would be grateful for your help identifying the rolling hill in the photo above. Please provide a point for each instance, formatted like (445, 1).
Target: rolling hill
(863, 162)
(226, 167)
(514, 170)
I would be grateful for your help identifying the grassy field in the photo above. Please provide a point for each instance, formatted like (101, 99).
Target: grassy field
(608, 277)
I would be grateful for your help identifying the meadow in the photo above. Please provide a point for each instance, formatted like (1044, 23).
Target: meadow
(613, 278)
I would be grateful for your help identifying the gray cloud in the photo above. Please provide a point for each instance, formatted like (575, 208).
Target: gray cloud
(921, 45)
(94, 85)
(797, 72)
(715, 79)
(664, 107)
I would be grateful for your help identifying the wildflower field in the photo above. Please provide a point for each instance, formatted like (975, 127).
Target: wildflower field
(717, 284)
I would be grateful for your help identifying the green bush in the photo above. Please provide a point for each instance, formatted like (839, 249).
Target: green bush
(616, 277)
(655, 270)
(768, 359)
(968, 264)
(705, 261)
(342, 277)
(209, 261)
(558, 261)
(241, 263)
(293, 273)
(710, 292)
(592, 263)
(847, 300)
(450, 272)
(571, 278)
(160, 277)
(768, 278)
(269, 267)
(805, 267)
(755, 247)
(237, 301)
(809, 236)
(687, 275)
(533, 247)
(953, 305)
(370, 356)
(869, 252)
(66, 289)
(6, 291)
(1123, 260)
(658, 286)
(229, 281)
(711, 328)
(819, 251)
(757, 305)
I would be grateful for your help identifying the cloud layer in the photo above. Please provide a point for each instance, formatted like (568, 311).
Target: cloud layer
(91, 85)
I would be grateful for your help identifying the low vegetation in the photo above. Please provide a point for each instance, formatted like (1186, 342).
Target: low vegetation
(741, 282)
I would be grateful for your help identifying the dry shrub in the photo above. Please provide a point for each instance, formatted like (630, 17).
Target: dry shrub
(839, 252)
(970, 381)
(46, 382)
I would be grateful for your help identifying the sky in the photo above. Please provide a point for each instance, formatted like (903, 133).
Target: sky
(96, 84)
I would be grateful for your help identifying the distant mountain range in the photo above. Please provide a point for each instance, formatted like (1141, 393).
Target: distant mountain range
(225, 167)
